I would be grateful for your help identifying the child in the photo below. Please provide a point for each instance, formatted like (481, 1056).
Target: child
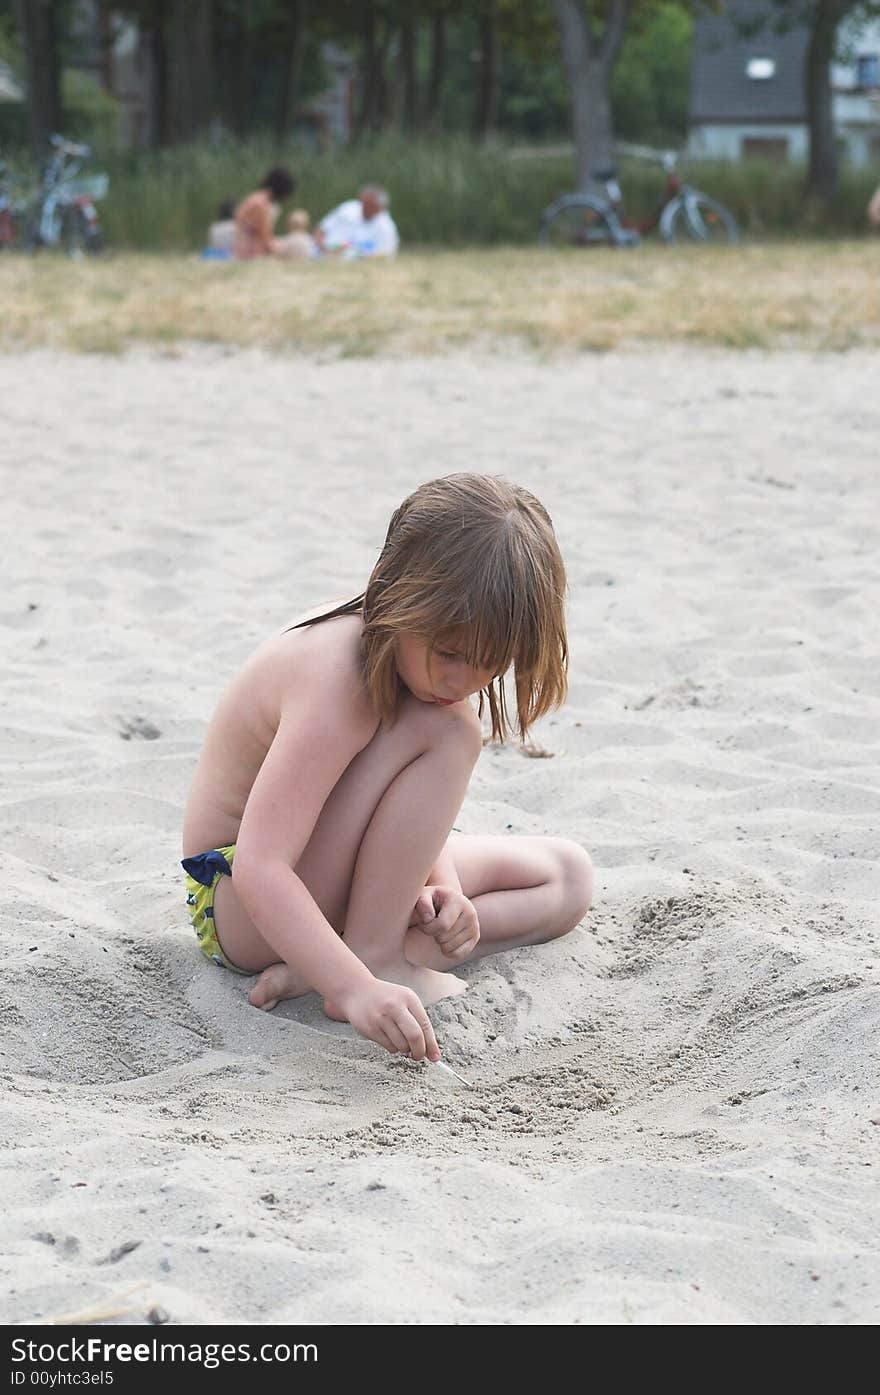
(255, 216)
(221, 233)
(299, 243)
(338, 758)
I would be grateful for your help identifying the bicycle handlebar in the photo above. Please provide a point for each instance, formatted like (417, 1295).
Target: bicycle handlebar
(69, 147)
(667, 158)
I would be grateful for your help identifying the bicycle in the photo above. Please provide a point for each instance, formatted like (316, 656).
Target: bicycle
(683, 213)
(63, 213)
(12, 209)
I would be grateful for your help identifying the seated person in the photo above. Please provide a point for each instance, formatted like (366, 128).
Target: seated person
(221, 233)
(299, 244)
(256, 215)
(873, 209)
(360, 227)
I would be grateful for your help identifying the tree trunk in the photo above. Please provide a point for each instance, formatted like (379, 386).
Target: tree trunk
(822, 175)
(203, 64)
(105, 40)
(407, 60)
(190, 68)
(431, 118)
(588, 60)
(243, 68)
(37, 24)
(290, 83)
(489, 78)
(159, 65)
(384, 105)
(370, 76)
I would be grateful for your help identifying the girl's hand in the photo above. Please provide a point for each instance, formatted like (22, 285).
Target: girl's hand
(392, 1017)
(447, 915)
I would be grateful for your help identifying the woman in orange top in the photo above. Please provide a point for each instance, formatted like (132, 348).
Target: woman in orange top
(255, 216)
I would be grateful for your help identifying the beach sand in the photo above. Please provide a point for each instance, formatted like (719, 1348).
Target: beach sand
(675, 1111)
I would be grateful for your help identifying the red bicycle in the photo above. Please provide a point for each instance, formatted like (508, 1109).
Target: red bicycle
(683, 213)
(11, 209)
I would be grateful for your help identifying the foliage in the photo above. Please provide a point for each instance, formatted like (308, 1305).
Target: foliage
(651, 84)
(89, 111)
(247, 65)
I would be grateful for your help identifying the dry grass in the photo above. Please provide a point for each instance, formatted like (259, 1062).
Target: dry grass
(794, 295)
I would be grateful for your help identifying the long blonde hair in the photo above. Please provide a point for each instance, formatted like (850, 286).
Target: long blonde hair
(476, 557)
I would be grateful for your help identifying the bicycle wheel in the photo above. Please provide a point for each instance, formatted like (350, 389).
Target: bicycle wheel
(695, 217)
(579, 220)
(80, 235)
(42, 226)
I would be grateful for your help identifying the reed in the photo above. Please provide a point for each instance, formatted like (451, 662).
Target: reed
(445, 193)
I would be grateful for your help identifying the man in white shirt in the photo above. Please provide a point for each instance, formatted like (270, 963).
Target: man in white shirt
(360, 227)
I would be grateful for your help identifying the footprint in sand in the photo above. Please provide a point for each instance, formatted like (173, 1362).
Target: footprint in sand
(139, 729)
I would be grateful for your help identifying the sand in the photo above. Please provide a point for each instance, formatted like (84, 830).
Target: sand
(675, 1112)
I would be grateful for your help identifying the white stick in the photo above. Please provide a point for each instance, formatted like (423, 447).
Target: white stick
(450, 1071)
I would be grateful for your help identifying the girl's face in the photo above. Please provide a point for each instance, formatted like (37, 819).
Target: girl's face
(441, 675)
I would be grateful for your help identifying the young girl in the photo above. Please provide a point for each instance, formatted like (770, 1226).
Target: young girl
(338, 758)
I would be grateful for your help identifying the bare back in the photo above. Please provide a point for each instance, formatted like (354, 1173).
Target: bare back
(247, 717)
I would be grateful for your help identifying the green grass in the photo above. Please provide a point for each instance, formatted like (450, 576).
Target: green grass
(446, 193)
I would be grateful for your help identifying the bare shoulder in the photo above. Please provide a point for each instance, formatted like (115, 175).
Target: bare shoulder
(319, 668)
(299, 698)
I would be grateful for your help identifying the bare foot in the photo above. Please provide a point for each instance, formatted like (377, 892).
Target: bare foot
(422, 949)
(430, 986)
(277, 982)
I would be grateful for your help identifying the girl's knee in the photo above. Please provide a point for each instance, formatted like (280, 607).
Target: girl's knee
(577, 884)
(456, 730)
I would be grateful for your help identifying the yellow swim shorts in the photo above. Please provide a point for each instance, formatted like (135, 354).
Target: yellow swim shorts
(202, 875)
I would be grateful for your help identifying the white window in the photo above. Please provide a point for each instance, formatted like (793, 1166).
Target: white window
(760, 69)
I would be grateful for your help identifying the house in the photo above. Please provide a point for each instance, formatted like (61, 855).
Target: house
(10, 87)
(748, 93)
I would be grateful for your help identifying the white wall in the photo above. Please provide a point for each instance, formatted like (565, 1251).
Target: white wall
(726, 142)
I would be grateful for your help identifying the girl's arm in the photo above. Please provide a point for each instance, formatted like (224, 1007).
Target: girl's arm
(326, 719)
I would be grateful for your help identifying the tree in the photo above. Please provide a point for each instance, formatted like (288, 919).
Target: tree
(650, 87)
(488, 72)
(591, 42)
(408, 70)
(371, 107)
(38, 28)
(822, 176)
(191, 68)
(293, 61)
(436, 72)
(823, 19)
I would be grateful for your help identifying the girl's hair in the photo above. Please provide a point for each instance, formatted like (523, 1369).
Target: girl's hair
(279, 181)
(471, 558)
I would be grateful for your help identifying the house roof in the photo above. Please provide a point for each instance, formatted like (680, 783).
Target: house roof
(721, 89)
